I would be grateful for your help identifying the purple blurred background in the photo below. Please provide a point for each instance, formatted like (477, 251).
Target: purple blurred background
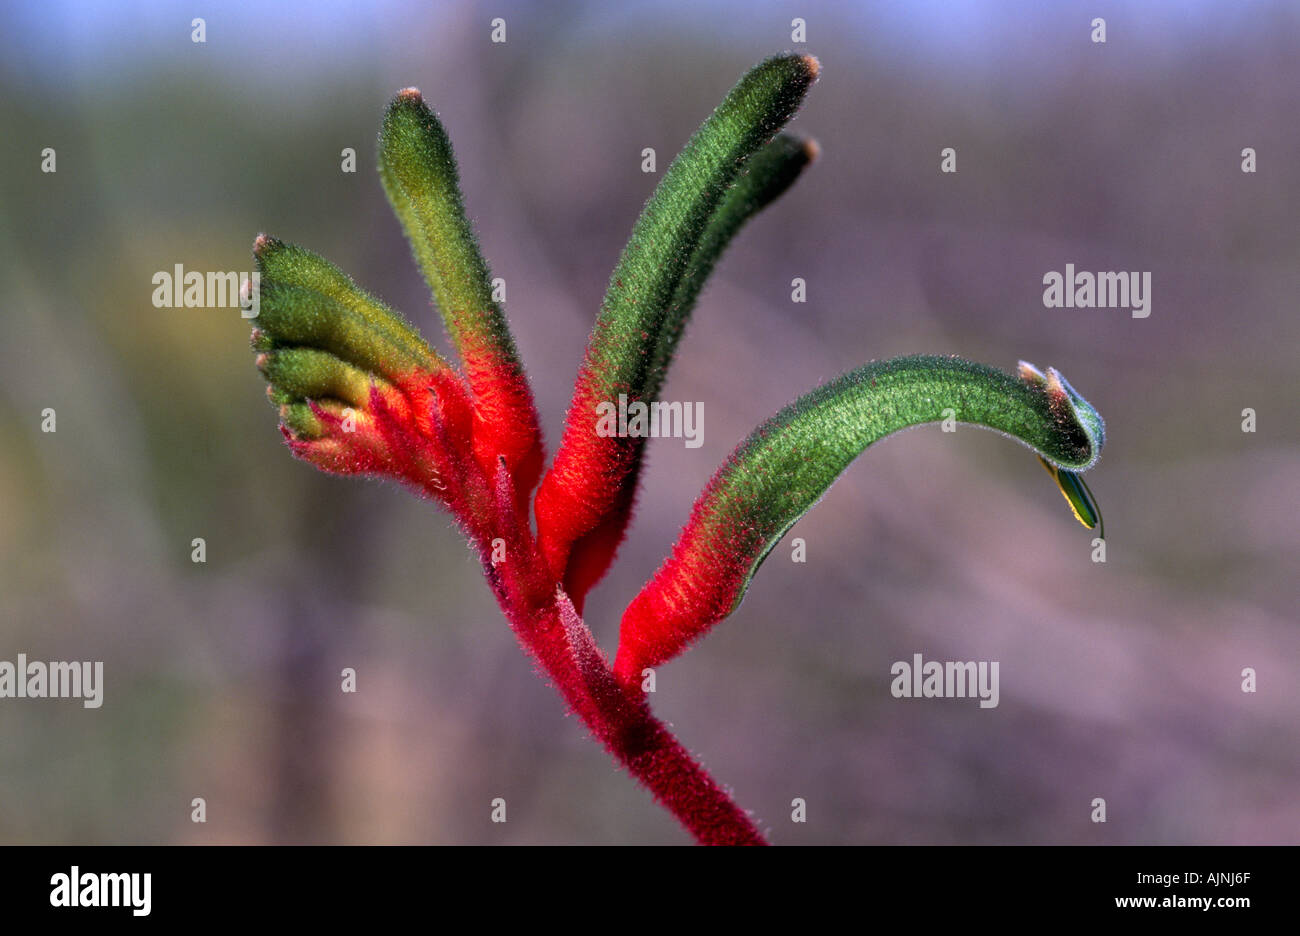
(1119, 680)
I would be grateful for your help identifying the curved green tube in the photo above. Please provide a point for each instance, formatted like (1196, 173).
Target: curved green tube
(776, 475)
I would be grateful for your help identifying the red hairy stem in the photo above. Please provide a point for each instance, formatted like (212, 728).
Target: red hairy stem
(551, 631)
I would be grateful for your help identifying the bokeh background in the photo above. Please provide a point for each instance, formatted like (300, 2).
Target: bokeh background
(1119, 680)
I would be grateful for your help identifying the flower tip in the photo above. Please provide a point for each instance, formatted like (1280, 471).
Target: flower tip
(811, 150)
(261, 242)
(1029, 373)
(813, 65)
(410, 94)
(1056, 385)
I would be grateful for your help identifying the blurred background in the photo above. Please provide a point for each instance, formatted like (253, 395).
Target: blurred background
(1119, 680)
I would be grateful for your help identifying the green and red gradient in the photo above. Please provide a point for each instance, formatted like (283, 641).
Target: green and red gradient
(419, 173)
(732, 167)
(776, 475)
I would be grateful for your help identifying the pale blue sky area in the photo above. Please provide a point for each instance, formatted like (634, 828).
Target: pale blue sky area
(105, 38)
